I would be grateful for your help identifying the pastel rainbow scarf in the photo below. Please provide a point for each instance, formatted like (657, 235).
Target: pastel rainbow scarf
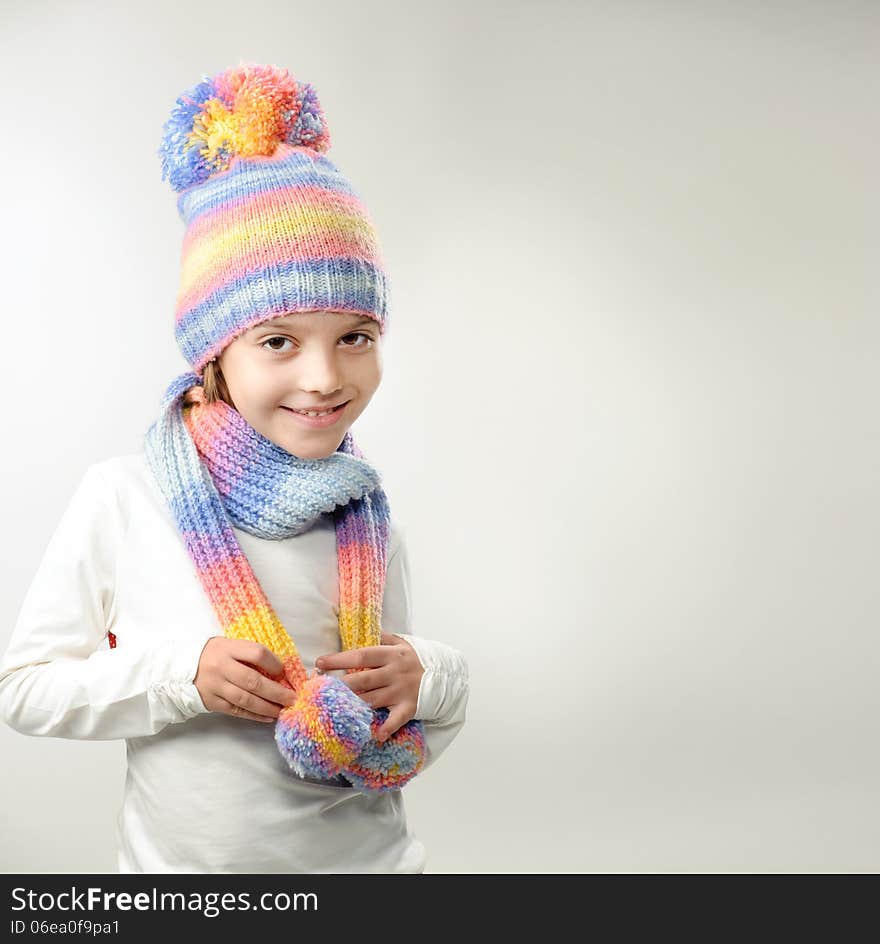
(215, 470)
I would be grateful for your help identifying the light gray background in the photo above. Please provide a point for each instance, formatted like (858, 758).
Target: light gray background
(628, 419)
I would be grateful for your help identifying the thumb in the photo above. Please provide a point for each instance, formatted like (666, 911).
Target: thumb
(396, 719)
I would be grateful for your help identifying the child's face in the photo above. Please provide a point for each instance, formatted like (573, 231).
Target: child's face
(306, 360)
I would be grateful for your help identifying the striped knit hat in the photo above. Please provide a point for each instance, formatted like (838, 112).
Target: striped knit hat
(272, 226)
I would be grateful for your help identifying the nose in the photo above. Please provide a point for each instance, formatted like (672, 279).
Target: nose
(318, 370)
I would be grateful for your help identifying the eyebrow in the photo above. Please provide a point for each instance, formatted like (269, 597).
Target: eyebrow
(278, 325)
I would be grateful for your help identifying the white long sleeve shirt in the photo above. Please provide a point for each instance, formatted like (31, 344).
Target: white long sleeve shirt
(204, 791)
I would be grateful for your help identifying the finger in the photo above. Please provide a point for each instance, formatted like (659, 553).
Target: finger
(257, 655)
(390, 639)
(249, 700)
(284, 695)
(366, 681)
(398, 640)
(367, 657)
(397, 718)
(252, 681)
(378, 697)
(236, 711)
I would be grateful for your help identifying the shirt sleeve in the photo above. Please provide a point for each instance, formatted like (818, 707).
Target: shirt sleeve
(54, 680)
(444, 689)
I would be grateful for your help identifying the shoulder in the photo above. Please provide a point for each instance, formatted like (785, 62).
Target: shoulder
(127, 478)
(124, 473)
(92, 516)
(117, 469)
(101, 479)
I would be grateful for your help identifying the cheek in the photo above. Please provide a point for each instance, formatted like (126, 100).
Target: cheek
(371, 373)
(260, 400)
(263, 389)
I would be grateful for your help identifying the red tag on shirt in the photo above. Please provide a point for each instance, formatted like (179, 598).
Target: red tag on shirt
(112, 639)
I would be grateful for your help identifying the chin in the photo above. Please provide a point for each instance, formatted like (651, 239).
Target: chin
(312, 454)
(315, 451)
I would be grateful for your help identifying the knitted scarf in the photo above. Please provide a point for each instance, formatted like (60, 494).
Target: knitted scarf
(215, 470)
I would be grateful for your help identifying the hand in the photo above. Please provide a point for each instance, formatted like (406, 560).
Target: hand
(230, 679)
(388, 676)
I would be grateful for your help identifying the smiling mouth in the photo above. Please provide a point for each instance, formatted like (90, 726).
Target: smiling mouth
(318, 413)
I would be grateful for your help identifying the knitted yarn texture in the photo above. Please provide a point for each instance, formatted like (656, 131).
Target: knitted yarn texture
(273, 227)
(215, 470)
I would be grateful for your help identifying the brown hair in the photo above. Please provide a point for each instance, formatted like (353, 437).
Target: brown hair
(215, 384)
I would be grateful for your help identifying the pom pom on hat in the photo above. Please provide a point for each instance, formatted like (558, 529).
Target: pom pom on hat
(244, 111)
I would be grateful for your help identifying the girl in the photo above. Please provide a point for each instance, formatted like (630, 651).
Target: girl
(233, 601)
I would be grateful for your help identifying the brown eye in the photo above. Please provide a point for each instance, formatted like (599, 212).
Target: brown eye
(359, 334)
(275, 338)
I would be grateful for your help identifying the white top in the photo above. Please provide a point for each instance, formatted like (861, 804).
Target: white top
(204, 791)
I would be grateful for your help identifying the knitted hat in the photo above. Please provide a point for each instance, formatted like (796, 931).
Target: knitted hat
(272, 226)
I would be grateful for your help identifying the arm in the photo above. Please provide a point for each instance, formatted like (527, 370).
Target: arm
(443, 693)
(54, 681)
